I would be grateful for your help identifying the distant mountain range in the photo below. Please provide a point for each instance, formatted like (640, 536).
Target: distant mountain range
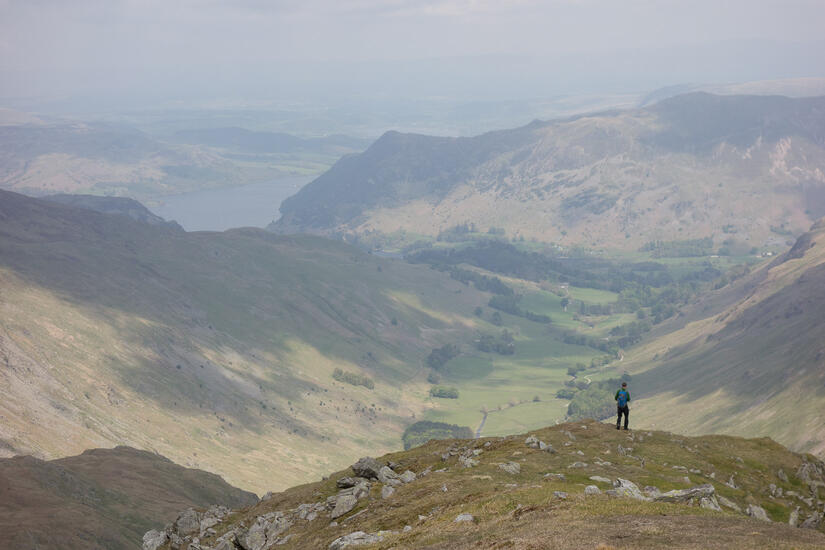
(41, 157)
(255, 142)
(738, 169)
(103, 499)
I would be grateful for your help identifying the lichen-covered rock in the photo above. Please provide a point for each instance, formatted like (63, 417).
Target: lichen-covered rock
(463, 518)
(626, 488)
(687, 496)
(728, 503)
(600, 479)
(757, 512)
(408, 477)
(546, 447)
(357, 538)
(387, 492)
(813, 521)
(153, 539)
(532, 442)
(388, 477)
(343, 505)
(592, 490)
(188, 523)
(793, 519)
(513, 468)
(710, 503)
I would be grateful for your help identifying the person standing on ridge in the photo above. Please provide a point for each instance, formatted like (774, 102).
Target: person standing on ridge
(622, 399)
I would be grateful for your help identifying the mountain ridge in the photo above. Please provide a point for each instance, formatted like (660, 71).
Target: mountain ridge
(101, 499)
(575, 485)
(664, 171)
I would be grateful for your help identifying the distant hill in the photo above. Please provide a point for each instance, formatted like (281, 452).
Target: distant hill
(66, 156)
(574, 486)
(737, 169)
(103, 499)
(748, 358)
(113, 205)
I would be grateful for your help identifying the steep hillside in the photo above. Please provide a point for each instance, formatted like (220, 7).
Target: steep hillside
(748, 359)
(573, 486)
(745, 169)
(243, 352)
(112, 205)
(104, 499)
(215, 349)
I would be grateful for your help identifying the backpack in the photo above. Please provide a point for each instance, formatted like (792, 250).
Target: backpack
(622, 399)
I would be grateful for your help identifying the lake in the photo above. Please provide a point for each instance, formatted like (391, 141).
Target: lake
(252, 205)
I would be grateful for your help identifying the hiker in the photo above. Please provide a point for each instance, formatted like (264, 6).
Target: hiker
(622, 399)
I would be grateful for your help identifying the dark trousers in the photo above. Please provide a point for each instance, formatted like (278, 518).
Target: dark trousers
(626, 411)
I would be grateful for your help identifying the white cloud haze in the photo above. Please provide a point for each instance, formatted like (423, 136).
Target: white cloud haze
(290, 47)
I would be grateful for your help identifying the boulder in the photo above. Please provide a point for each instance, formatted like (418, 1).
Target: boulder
(546, 447)
(188, 523)
(687, 496)
(560, 494)
(367, 467)
(347, 482)
(782, 475)
(462, 518)
(728, 503)
(153, 539)
(513, 468)
(388, 477)
(626, 488)
(387, 492)
(578, 465)
(532, 442)
(600, 479)
(343, 505)
(592, 490)
(556, 477)
(793, 520)
(255, 537)
(357, 538)
(467, 462)
(813, 521)
(710, 503)
(408, 476)
(757, 512)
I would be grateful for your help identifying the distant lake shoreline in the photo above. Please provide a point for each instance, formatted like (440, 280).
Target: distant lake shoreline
(222, 208)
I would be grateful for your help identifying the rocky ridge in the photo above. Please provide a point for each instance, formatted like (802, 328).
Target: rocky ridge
(423, 497)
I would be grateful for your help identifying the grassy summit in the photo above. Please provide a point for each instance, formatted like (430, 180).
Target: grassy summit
(512, 495)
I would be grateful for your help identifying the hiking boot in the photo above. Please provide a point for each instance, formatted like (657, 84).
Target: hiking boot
(617, 427)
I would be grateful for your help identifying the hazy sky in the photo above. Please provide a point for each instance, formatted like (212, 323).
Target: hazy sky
(204, 48)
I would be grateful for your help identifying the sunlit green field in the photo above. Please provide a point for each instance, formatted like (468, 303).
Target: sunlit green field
(518, 391)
